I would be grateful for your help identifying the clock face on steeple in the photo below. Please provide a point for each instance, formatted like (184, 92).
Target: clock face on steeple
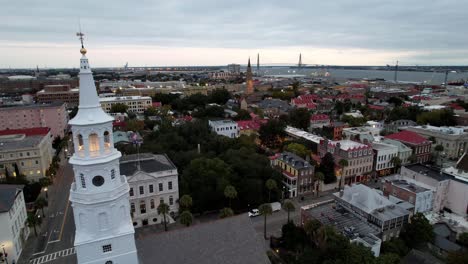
(98, 180)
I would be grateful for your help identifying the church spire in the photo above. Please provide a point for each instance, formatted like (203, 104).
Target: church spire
(89, 107)
(249, 81)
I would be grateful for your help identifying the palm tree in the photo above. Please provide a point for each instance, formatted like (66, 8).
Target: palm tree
(319, 176)
(33, 221)
(323, 234)
(265, 209)
(288, 206)
(396, 161)
(163, 209)
(40, 203)
(343, 163)
(226, 212)
(186, 218)
(230, 193)
(311, 227)
(439, 148)
(270, 185)
(185, 202)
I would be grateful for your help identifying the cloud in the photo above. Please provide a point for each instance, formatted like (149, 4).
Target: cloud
(412, 31)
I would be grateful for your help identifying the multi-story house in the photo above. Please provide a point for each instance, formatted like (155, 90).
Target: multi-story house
(14, 230)
(28, 151)
(319, 121)
(358, 159)
(136, 104)
(335, 129)
(398, 125)
(453, 139)
(153, 180)
(227, 128)
(383, 155)
(421, 146)
(419, 196)
(59, 93)
(367, 204)
(404, 152)
(298, 174)
(53, 115)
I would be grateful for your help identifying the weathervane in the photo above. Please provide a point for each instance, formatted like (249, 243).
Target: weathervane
(80, 36)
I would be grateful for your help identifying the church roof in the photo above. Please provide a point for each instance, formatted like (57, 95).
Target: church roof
(231, 240)
(149, 163)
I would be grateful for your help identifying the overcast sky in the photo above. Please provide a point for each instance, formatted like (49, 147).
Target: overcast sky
(217, 32)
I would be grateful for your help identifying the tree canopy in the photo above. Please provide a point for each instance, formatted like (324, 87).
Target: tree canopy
(119, 108)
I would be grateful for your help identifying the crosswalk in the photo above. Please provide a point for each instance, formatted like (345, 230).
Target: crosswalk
(53, 256)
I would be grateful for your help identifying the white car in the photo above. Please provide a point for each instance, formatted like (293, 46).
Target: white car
(254, 212)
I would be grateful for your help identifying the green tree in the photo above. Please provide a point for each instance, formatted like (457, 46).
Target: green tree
(226, 212)
(288, 206)
(396, 101)
(135, 125)
(230, 193)
(265, 210)
(396, 161)
(463, 239)
(327, 167)
(40, 203)
(418, 232)
(186, 218)
(389, 258)
(298, 149)
(163, 209)
(395, 246)
(45, 181)
(299, 118)
(33, 221)
(443, 117)
(219, 96)
(438, 149)
(311, 227)
(185, 202)
(242, 115)
(272, 132)
(119, 108)
(271, 185)
(412, 158)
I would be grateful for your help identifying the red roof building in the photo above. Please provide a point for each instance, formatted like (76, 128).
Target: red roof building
(376, 107)
(420, 145)
(248, 127)
(319, 120)
(35, 131)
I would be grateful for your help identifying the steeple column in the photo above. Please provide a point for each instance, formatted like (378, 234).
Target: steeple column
(86, 146)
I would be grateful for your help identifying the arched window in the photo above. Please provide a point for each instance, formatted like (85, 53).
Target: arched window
(107, 139)
(93, 142)
(80, 142)
(152, 203)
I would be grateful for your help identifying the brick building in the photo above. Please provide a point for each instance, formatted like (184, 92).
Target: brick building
(58, 93)
(421, 146)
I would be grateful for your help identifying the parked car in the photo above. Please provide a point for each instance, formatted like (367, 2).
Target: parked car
(254, 212)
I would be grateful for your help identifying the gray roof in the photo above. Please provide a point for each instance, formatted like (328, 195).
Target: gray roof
(408, 186)
(31, 106)
(231, 240)
(148, 163)
(294, 160)
(340, 218)
(434, 173)
(442, 229)
(445, 244)
(274, 103)
(20, 141)
(416, 256)
(8, 194)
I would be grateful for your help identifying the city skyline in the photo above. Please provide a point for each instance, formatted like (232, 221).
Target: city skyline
(212, 33)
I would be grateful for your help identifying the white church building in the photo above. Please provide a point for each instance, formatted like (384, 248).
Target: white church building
(99, 195)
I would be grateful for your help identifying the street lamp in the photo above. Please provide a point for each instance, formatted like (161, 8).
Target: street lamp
(5, 255)
(46, 194)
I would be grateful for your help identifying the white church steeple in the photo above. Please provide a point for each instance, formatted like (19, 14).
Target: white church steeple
(99, 194)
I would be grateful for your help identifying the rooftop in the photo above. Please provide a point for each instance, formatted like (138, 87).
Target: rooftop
(347, 144)
(303, 134)
(408, 137)
(8, 193)
(148, 163)
(444, 130)
(222, 122)
(403, 184)
(32, 106)
(231, 240)
(21, 138)
(123, 98)
(294, 160)
(328, 214)
(383, 146)
(432, 172)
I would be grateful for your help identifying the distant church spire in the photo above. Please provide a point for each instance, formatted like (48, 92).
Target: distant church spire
(299, 65)
(258, 63)
(249, 81)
